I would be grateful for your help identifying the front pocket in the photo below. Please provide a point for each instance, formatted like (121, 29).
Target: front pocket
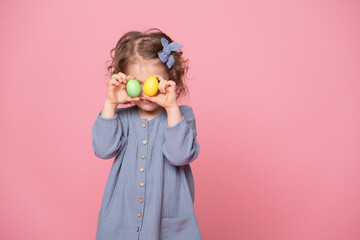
(180, 228)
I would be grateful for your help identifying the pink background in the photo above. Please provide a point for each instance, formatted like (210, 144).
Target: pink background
(274, 87)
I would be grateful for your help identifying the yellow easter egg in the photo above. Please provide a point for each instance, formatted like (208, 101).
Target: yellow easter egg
(151, 86)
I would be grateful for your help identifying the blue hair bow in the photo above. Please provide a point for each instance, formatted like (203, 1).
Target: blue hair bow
(165, 54)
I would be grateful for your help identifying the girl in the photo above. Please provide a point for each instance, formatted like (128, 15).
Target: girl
(149, 193)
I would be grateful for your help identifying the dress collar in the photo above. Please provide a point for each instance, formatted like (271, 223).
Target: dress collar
(139, 120)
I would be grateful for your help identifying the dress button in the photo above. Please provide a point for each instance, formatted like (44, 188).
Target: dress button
(141, 169)
(137, 229)
(143, 156)
(144, 142)
(139, 214)
(142, 184)
(141, 200)
(143, 125)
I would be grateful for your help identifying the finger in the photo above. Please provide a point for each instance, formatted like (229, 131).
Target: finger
(160, 78)
(115, 77)
(146, 97)
(171, 85)
(134, 99)
(168, 85)
(153, 98)
(130, 77)
(123, 77)
(118, 78)
(162, 86)
(114, 81)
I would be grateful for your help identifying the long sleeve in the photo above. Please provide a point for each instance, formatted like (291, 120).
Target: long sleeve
(181, 146)
(109, 135)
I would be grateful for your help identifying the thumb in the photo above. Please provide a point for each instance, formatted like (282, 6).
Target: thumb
(153, 98)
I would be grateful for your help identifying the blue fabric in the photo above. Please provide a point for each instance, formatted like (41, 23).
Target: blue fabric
(167, 210)
(165, 54)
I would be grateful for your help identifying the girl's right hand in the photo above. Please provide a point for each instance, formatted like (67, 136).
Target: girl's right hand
(116, 92)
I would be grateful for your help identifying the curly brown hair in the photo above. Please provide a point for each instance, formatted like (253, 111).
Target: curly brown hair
(134, 46)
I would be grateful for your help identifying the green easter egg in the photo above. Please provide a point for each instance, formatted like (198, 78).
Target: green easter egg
(133, 88)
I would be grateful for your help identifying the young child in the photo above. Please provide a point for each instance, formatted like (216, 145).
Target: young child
(149, 193)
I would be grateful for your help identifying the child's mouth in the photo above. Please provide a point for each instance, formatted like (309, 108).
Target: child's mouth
(145, 101)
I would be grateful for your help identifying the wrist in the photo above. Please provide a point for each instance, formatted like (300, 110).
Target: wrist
(173, 115)
(172, 108)
(110, 104)
(109, 109)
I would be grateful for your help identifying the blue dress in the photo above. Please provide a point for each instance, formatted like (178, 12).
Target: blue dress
(149, 193)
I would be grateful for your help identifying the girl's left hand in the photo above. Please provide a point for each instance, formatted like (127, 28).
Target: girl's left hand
(166, 97)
